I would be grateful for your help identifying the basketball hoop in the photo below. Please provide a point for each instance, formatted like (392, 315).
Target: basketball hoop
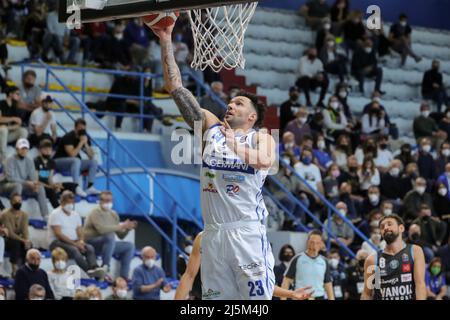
(219, 35)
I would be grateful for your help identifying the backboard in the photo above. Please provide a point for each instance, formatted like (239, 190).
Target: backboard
(121, 9)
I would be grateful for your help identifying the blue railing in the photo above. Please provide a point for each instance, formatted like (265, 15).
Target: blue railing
(172, 216)
(331, 209)
(142, 98)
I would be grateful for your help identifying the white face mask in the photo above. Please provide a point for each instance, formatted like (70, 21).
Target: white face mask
(403, 23)
(287, 160)
(302, 120)
(334, 105)
(2, 297)
(426, 148)
(37, 298)
(342, 211)
(94, 298)
(122, 293)
(374, 198)
(425, 113)
(387, 212)
(375, 223)
(420, 190)
(447, 174)
(442, 191)
(343, 94)
(60, 265)
(107, 206)
(321, 144)
(118, 36)
(334, 263)
(395, 172)
(150, 263)
(330, 44)
(289, 145)
(446, 152)
(377, 99)
(188, 250)
(368, 50)
(376, 237)
(327, 26)
(68, 207)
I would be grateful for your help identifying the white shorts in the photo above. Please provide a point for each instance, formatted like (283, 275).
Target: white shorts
(237, 262)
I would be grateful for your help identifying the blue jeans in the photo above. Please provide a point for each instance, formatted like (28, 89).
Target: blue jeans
(107, 246)
(76, 165)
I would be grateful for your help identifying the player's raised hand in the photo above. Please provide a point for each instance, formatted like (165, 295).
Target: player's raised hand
(228, 134)
(162, 33)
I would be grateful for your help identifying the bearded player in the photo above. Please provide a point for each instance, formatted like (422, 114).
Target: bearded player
(237, 260)
(397, 272)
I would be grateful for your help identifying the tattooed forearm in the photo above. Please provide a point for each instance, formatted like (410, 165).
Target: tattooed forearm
(188, 106)
(172, 76)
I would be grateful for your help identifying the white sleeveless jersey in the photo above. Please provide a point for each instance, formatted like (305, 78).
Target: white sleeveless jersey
(230, 189)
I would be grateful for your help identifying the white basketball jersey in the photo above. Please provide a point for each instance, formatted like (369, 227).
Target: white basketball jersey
(230, 189)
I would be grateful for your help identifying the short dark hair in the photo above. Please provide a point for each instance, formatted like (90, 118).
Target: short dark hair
(45, 143)
(13, 195)
(114, 283)
(403, 16)
(257, 104)
(393, 216)
(424, 206)
(80, 121)
(29, 73)
(314, 232)
(10, 89)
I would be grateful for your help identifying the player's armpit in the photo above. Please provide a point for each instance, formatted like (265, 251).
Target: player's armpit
(188, 106)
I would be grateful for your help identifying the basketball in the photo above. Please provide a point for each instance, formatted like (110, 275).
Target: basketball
(161, 20)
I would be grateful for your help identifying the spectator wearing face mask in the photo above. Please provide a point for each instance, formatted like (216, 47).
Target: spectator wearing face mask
(392, 185)
(415, 237)
(441, 200)
(30, 92)
(376, 98)
(354, 31)
(375, 240)
(406, 155)
(432, 229)
(182, 259)
(65, 231)
(100, 230)
(334, 119)
(368, 175)
(435, 281)
(289, 145)
(442, 159)
(116, 53)
(415, 198)
(339, 13)
(289, 108)
(342, 151)
(314, 12)
(350, 173)
(29, 275)
(15, 221)
(433, 87)
(373, 122)
(337, 273)
(372, 222)
(367, 149)
(119, 290)
(365, 65)
(311, 75)
(341, 92)
(346, 196)
(340, 229)
(425, 126)
(299, 126)
(384, 155)
(311, 173)
(148, 279)
(42, 123)
(372, 202)
(61, 281)
(444, 123)
(425, 160)
(322, 153)
(333, 62)
(286, 254)
(355, 277)
(37, 292)
(400, 38)
(331, 182)
(322, 34)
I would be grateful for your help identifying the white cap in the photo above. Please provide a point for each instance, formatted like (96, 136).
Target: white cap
(22, 143)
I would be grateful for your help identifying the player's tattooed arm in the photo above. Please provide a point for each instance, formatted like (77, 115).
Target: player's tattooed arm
(184, 99)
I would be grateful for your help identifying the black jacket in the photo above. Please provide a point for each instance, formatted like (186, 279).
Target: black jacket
(362, 59)
(25, 278)
(430, 77)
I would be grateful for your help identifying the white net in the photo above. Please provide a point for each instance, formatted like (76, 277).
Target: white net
(219, 35)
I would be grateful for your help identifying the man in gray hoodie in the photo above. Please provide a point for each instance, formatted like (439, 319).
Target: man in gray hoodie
(20, 169)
